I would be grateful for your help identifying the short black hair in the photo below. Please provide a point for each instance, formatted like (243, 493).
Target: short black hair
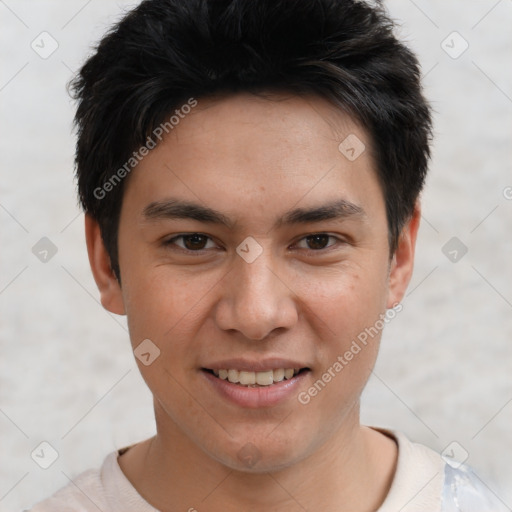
(164, 53)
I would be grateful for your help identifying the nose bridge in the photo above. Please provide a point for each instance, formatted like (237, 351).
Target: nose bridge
(256, 301)
(256, 280)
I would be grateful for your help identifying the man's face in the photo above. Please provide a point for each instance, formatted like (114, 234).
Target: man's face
(265, 284)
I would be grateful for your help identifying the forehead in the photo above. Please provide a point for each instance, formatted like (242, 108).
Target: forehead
(241, 124)
(252, 151)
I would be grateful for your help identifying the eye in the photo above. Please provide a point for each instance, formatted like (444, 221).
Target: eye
(193, 242)
(317, 241)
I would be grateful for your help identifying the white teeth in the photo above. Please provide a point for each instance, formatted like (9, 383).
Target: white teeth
(279, 375)
(233, 376)
(265, 378)
(247, 378)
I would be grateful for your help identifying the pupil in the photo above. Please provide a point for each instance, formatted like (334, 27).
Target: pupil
(194, 241)
(317, 241)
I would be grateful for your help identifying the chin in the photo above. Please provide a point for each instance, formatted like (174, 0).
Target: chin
(261, 456)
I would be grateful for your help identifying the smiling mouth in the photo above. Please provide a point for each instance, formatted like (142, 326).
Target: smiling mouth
(256, 379)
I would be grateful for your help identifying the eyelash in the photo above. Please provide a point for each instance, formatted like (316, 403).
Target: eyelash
(171, 241)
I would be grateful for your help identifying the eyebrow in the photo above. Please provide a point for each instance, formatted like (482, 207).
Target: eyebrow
(171, 208)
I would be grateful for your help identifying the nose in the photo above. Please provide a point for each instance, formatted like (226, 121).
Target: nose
(256, 300)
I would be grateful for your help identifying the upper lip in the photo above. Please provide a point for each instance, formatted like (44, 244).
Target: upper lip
(254, 366)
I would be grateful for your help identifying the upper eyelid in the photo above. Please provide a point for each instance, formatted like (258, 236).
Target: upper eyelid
(339, 241)
(319, 233)
(167, 241)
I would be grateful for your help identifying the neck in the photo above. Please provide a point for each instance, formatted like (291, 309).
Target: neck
(352, 470)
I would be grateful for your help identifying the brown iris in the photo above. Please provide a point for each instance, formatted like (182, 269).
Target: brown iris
(318, 241)
(195, 242)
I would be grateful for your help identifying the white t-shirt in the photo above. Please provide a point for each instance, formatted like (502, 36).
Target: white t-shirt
(423, 482)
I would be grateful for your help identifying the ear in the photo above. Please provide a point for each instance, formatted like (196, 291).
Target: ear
(402, 262)
(108, 285)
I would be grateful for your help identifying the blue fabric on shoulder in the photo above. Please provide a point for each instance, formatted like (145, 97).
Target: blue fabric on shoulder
(464, 491)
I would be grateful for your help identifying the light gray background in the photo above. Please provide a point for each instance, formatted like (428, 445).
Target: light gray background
(67, 375)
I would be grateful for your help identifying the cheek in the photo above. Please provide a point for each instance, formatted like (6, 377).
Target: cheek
(346, 312)
(156, 305)
(165, 311)
(167, 308)
(346, 317)
(346, 300)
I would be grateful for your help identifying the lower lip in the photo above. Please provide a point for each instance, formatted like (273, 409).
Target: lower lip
(254, 398)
